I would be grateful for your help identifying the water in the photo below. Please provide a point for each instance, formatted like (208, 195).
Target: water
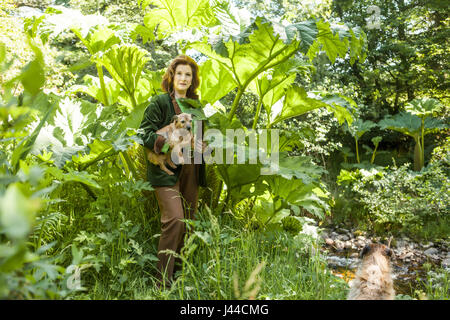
(407, 277)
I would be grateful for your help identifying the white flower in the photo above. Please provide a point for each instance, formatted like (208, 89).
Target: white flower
(310, 231)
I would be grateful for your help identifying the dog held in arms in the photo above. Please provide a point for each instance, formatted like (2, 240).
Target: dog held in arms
(178, 135)
(373, 280)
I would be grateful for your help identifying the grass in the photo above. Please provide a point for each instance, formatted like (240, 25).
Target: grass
(222, 258)
(222, 261)
(436, 284)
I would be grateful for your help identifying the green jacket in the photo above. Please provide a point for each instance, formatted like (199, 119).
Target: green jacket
(159, 114)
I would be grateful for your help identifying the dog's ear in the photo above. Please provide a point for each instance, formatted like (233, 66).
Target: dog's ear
(174, 118)
(365, 251)
(388, 252)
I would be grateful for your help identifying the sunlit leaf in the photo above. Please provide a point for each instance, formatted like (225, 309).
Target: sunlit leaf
(16, 213)
(170, 16)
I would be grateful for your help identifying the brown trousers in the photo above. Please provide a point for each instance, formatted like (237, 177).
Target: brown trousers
(175, 203)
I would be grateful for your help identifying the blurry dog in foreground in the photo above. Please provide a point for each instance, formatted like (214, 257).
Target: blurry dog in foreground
(178, 135)
(373, 280)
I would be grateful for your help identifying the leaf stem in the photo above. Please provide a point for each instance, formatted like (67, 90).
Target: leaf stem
(102, 83)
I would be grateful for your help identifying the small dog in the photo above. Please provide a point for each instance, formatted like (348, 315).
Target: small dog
(373, 281)
(178, 135)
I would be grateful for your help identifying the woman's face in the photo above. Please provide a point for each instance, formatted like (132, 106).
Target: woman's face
(182, 79)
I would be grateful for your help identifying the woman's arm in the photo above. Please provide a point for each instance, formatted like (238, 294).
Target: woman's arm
(152, 122)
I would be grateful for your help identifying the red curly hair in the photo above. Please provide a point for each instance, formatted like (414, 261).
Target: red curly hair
(167, 82)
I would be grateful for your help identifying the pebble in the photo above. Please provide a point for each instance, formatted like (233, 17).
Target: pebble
(406, 255)
(342, 230)
(339, 245)
(446, 263)
(431, 252)
(428, 245)
(409, 252)
(401, 243)
(348, 244)
(360, 243)
(343, 237)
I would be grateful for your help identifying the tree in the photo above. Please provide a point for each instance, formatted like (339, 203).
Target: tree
(407, 56)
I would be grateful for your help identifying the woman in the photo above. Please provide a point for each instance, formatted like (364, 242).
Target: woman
(177, 195)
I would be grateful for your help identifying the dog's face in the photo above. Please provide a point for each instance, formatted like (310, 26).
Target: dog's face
(374, 247)
(183, 121)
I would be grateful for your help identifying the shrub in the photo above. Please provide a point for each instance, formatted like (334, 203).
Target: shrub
(396, 199)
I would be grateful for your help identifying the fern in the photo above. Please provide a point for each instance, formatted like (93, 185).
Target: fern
(47, 227)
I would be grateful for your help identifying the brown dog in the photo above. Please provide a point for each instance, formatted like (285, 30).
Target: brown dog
(373, 281)
(178, 135)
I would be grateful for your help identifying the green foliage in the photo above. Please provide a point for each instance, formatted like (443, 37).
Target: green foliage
(252, 53)
(125, 64)
(67, 137)
(415, 127)
(223, 261)
(72, 201)
(436, 283)
(424, 107)
(357, 129)
(169, 16)
(396, 199)
(406, 54)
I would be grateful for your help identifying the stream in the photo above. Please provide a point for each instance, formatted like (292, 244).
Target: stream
(343, 246)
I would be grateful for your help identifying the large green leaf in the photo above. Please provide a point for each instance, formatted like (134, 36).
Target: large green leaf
(192, 106)
(403, 122)
(125, 64)
(16, 213)
(99, 39)
(233, 21)
(70, 120)
(424, 107)
(265, 214)
(97, 150)
(305, 31)
(264, 45)
(172, 15)
(25, 146)
(433, 125)
(295, 192)
(359, 127)
(82, 177)
(32, 75)
(263, 50)
(216, 81)
(296, 103)
(342, 106)
(75, 125)
(298, 167)
(93, 89)
(336, 40)
(133, 120)
(270, 86)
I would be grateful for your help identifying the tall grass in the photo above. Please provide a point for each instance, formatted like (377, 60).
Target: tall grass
(436, 283)
(223, 261)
